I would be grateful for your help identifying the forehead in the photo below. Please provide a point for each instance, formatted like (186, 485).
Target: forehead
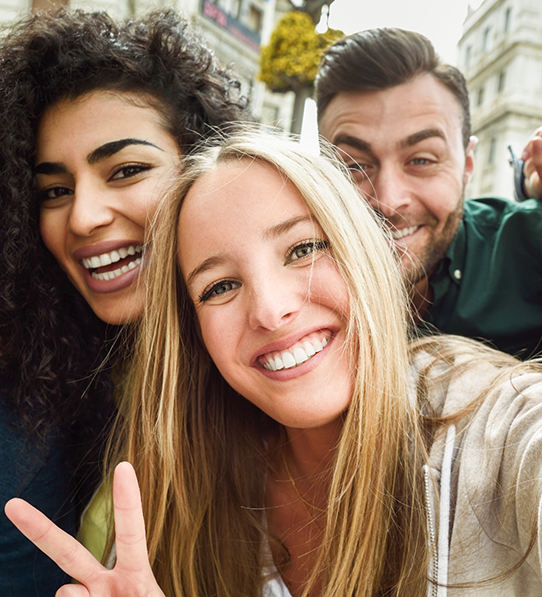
(236, 202)
(98, 116)
(246, 187)
(394, 113)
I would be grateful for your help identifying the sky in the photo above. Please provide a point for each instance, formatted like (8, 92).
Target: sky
(439, 20)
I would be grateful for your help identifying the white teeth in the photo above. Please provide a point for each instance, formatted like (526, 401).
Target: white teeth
(397, 234)
(117, 272)
(300, 356)
(309, 349)
(112, 257)
(287, 360)
(105, 259)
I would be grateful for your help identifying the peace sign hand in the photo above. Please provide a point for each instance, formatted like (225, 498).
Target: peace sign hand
(132, 575)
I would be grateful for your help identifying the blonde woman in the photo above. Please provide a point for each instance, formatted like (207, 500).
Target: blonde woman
(285, 441)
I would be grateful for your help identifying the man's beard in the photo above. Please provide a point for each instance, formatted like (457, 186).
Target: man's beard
(424, 265)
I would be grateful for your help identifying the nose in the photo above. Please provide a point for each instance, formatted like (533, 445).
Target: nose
(275, 302)
(390, 194)
(90, 209)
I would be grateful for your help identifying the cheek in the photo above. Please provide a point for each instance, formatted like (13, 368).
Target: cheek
(329, 289)
(216, 337)
(52, 231)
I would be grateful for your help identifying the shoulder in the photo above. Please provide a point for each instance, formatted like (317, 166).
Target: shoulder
(453, 373)
(497, 212)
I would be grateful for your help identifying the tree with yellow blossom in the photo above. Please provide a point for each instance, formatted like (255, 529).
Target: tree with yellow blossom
(290, 61)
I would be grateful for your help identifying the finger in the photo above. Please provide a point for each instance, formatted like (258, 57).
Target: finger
(72, 591)
(130, 542)
(62, 548)
(530, 145)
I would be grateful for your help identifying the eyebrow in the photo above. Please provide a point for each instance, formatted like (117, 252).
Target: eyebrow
(271, 233)
(100, 153)
(355, 142)
(113, 147)
(420, 136)
(410, 141)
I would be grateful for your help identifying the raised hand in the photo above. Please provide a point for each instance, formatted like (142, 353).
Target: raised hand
(532, 169)
(132, 575)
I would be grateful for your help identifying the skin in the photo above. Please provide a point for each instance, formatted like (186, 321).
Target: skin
(102, 163)
(406, 153)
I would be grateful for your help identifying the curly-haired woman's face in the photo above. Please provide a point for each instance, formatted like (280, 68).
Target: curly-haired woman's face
(102, 163)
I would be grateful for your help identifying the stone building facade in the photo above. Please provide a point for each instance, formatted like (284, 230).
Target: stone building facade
(500, 54)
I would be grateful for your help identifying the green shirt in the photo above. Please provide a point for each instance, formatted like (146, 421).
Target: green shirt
(489, 284)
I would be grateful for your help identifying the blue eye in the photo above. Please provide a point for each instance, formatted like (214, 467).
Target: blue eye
(307, 248)
(219, 289)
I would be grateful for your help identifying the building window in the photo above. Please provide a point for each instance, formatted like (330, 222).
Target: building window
(501, 81)
(480, 96)
(507, 16)
(492, 150)
(254, 19)
(234, 9)
(468, 56)
(485, 41)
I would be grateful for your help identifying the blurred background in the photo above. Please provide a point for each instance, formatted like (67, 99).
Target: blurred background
(275, 45)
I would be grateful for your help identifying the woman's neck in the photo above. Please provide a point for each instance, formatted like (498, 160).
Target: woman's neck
(297, 493)
(309, 451)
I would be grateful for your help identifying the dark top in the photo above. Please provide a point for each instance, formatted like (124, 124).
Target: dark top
(489, 284)
(42, 477)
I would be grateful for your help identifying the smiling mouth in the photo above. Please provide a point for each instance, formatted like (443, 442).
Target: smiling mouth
(296, 355)
(398, 234)
(109, 266)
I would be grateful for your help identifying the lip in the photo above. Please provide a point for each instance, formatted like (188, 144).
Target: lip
(118, 283)
(287, 341)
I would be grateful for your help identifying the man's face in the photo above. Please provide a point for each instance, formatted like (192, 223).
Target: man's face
(405, 150)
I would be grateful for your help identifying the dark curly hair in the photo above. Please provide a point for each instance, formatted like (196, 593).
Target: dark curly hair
(52, 346)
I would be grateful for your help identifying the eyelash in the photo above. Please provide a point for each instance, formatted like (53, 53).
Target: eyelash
(316, 245)
(134, 168)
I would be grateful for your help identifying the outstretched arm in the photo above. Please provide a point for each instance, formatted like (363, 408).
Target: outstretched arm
(532, 168)
(132, 575)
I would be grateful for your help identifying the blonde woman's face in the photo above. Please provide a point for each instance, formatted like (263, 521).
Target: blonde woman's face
(270, 301)
(102, 163)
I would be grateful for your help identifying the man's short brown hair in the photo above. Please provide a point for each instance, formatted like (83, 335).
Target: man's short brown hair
(378, 59)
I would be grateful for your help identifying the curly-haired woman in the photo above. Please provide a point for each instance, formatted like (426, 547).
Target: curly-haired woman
(94, 118)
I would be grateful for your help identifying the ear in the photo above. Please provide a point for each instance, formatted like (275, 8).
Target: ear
(469, 158)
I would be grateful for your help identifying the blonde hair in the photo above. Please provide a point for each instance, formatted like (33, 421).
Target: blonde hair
(197, 446)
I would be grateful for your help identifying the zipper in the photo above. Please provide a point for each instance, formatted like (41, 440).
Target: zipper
(432, 535)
